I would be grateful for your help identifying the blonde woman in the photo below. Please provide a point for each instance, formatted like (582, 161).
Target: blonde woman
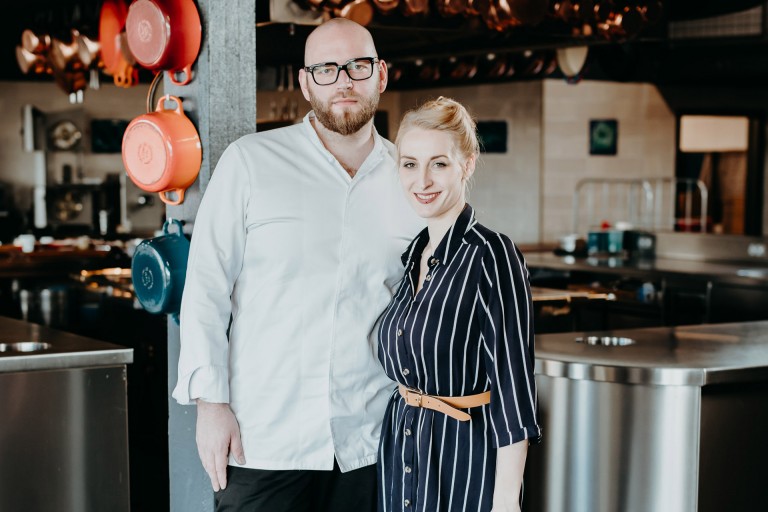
(457, 337)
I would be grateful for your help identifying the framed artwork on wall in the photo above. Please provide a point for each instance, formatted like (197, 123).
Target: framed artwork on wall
(603, 136)
(493, 136)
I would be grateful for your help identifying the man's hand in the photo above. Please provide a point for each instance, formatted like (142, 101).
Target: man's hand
(217, 435)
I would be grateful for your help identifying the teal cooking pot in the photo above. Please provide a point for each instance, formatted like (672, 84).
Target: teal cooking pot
(158, 269)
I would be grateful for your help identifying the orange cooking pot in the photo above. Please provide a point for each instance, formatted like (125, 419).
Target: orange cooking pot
(162, 151)
(165, 35)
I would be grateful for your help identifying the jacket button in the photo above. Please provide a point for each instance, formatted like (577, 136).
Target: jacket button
(399, 332)
(405, 371)
(427, 277)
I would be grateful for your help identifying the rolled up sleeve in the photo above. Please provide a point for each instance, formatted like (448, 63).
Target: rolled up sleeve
(215, 261)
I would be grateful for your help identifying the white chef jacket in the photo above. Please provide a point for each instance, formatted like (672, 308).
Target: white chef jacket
(305, 259)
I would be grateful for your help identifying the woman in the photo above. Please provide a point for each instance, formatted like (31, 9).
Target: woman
(457, 337)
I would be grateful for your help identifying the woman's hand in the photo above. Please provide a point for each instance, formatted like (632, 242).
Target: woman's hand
(510, 465)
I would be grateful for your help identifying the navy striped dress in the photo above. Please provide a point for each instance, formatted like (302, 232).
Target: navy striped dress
(468, 330)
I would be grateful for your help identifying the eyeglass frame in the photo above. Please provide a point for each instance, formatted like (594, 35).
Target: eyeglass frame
(339, 67)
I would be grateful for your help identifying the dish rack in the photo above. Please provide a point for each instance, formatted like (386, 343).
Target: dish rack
(653, 204)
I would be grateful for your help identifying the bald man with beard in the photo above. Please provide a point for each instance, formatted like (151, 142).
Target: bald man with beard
(295, 253)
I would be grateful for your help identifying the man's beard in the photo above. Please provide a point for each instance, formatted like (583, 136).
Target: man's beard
(348, 122)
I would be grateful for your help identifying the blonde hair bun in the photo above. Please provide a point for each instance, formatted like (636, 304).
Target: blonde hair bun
(444, 114)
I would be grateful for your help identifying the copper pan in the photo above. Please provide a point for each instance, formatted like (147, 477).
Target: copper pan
(449, 8)
(385, 6)
(526, 12)
(462, 69)
(619, 22)
(359, 11)
(29, 61)
(427, 71)
(497, 65)
(472, 8)
(414, 7)
(507, 15)
(651, 10)
(88, 50)
(34, 42)
(65, 55)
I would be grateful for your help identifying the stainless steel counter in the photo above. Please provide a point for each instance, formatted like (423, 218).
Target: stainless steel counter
(672, 422)
(663, 356)
(63, 350)
(64, 432)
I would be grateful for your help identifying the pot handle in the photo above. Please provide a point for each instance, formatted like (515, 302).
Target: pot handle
(168, 97)
(187, 70)
(167, 200)
(173, 222)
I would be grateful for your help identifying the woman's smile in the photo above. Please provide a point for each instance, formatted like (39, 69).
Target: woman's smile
(426, 198)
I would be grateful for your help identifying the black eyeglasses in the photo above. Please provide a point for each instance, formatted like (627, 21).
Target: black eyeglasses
(328, 72)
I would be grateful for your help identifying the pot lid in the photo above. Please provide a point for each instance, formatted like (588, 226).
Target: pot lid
(147, 32)
(151, 278)
(145, 154)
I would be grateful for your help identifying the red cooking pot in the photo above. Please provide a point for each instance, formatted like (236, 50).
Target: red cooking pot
(162, 151)
(164, 35)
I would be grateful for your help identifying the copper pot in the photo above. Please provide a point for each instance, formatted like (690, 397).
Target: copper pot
(415, 7)
(359, 11)
(386, 6)
(449, 8)
(35, 42)
(618, 22)
(29, 61)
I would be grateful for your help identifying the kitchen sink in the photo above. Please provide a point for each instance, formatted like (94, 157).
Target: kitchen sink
(24, 346)
(756, 273)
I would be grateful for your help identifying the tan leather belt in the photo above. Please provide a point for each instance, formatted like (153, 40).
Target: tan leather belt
(448, 405)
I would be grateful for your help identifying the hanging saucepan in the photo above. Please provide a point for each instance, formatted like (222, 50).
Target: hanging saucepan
(385, 6)
(450, 8)
(165, 35)
(162, 151)
(526, 12)
(158, 270)
(359, 11)
(415, 7)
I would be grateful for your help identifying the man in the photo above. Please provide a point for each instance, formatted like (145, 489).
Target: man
(297, 240)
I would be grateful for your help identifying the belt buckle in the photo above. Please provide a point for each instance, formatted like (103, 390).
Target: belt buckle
(413, 395)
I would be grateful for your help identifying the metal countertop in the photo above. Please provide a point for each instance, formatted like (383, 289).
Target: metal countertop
(735, 273)
(66, 350)
(696, 355)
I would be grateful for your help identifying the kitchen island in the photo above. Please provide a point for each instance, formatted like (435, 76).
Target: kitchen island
(657, 419)
(63, 436)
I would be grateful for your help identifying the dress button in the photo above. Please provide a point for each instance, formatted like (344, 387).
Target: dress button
(434, 261)
(427, 277)
(405, 371)
(407, 469)
(407, 503)
(399, 332)
(407, 432)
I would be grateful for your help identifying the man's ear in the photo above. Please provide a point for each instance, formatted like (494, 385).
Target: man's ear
(383, 76)
(303, 77)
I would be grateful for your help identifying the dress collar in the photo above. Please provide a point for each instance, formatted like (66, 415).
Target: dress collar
(450, 243)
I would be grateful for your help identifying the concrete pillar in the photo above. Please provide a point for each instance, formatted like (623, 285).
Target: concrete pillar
(221, 101)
